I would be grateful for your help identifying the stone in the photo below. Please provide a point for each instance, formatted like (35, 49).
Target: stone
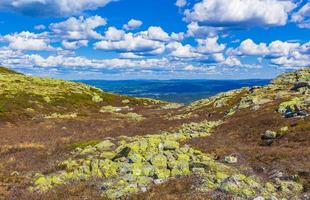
(269, 135)
(154, 141)
(231, 159)
(197, 170)
(159, 161)
(42, 180)
(235, 185)
(267, 142)
(109, 168)
(299, 85)
(148, 170)
(158, 181)
(293, 108)
(199, 165)
(137, 169)
(125, 168)
(284, 129)
(107, 154)
(104, 145)
(88, 150)
(97, 99)
(123, 153)
(170, 145)
(144, 181)
(143, 189)
(176, 172)
(135, 157)
(56, 180)
(162, 173)
(125, 101)
(183, 157)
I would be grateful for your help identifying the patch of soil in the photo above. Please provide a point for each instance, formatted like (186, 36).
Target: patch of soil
(240, 135)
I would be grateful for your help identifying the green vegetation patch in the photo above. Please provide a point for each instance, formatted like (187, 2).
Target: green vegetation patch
(46, 96)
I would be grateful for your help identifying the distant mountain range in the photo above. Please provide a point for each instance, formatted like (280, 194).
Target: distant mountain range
(180, 91)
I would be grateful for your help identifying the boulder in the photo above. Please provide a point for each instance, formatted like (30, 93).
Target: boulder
(104, 145)
(293, 108)
(199, 165)
(231, 159)
(159, 161)
(269, 135)
(123, 153)
(107, 154)
(89, 150)
(170, 145)
(299, 85)
(162, 173)
(235, 185)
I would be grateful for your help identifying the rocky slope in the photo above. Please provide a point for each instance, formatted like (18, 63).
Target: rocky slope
(64, 140)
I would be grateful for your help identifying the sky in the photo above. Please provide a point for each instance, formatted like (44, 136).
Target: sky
(155, 39)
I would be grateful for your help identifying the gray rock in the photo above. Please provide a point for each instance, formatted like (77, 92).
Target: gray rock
(231, 159)
(269, 135)
(123, 153)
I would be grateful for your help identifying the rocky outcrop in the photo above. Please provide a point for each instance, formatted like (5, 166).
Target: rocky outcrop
(130, 165)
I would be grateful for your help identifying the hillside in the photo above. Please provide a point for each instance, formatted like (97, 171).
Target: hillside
(65, 140)
(27, 96)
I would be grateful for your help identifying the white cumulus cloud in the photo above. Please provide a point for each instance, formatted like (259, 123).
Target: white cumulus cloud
(130, 43)
(79, 28)
(283, 54)
(52, 7)
(114, 34)
(75, 44)
(28, 41)
(223, 13)
(133, 24)
(209, 45)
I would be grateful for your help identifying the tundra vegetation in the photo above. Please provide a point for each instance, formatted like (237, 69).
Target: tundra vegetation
(65, 140)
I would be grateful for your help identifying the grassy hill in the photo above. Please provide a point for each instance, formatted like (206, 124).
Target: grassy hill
(28, 96)
(242, 144)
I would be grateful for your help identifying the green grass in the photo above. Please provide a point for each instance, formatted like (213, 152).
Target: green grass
(84, 144)
(19, 92)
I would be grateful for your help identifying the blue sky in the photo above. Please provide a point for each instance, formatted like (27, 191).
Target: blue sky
(162, 39)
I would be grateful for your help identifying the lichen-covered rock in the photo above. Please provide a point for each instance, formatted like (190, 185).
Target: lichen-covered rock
(292, 108)
(231, 159)
(108, 109)
(269, 135)
(104, 145)
(170, 145)
(237, 186)
(133, 164)
(97, 99)
(61, 116)
(159, 161)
